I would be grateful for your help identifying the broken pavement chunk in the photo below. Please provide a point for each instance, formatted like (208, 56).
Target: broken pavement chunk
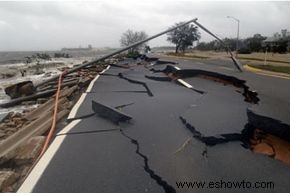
(24, 88)
(110, 113)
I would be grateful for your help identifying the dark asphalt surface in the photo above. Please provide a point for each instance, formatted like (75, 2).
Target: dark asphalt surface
(175, 135)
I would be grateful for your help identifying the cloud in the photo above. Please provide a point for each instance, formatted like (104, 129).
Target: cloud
(53, 25)
(3, 22)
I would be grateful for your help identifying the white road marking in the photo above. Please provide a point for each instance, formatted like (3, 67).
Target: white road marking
(92, 83)
(95, 79)
(39, 168)
(76, 107)
(184, 83)
(32, 179)
(69, 127)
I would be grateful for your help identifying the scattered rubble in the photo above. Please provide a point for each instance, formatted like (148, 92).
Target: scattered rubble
(11, 124)
(26, 153)
(6, 179)
(22, 134)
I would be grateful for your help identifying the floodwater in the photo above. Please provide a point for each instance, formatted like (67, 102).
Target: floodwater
(14, 62)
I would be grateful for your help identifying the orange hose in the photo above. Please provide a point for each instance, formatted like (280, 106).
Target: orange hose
(52, 129)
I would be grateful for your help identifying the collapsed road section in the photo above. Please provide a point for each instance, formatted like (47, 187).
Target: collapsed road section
(153, 150)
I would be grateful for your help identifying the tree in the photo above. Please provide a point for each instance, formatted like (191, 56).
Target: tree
(232, 43)
(217, 46)
(183, 37)
(255, 43)
(281, 47)
(212, 45)
(130, 37)
(43, 56)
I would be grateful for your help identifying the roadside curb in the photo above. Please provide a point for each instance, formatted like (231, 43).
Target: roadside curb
(188, 58)
(266, 72)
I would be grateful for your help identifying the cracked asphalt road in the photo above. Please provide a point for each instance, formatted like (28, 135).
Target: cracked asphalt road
(175, 135)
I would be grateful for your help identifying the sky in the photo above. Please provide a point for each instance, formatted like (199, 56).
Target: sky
(32, 26)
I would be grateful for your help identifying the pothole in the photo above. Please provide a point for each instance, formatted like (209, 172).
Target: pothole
(270, 145)
(268, 136)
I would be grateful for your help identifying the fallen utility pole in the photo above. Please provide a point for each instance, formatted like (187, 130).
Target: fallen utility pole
(117, 52)
(236, 62)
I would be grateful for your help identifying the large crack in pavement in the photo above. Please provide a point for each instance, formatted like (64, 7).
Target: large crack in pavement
(268, 125)
(137, 82)
(159, 78)
(166, 187)
(119, 107)
(169, 78)
(261, 134)
(211, 140)
(249, 95)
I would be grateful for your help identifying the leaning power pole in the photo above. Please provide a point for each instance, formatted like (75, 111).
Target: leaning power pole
(118, 51)
(236, 62)
(137, 44)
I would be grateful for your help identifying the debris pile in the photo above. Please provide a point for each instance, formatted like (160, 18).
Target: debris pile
(22, 134)
(11, 124)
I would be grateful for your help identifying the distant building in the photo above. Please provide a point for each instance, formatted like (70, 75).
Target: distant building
(78, 49)
(285, 33)
(277, 38)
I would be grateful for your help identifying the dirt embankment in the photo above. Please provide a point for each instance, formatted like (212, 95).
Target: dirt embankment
(22, 135)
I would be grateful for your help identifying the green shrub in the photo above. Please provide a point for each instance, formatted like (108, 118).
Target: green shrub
(244, 51)
(133, 54)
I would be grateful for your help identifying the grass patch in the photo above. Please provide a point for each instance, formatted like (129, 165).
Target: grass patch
(186, 56)
(283, 69)
(259, 59)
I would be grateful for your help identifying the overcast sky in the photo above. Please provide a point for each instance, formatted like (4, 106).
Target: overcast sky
(53, 25)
